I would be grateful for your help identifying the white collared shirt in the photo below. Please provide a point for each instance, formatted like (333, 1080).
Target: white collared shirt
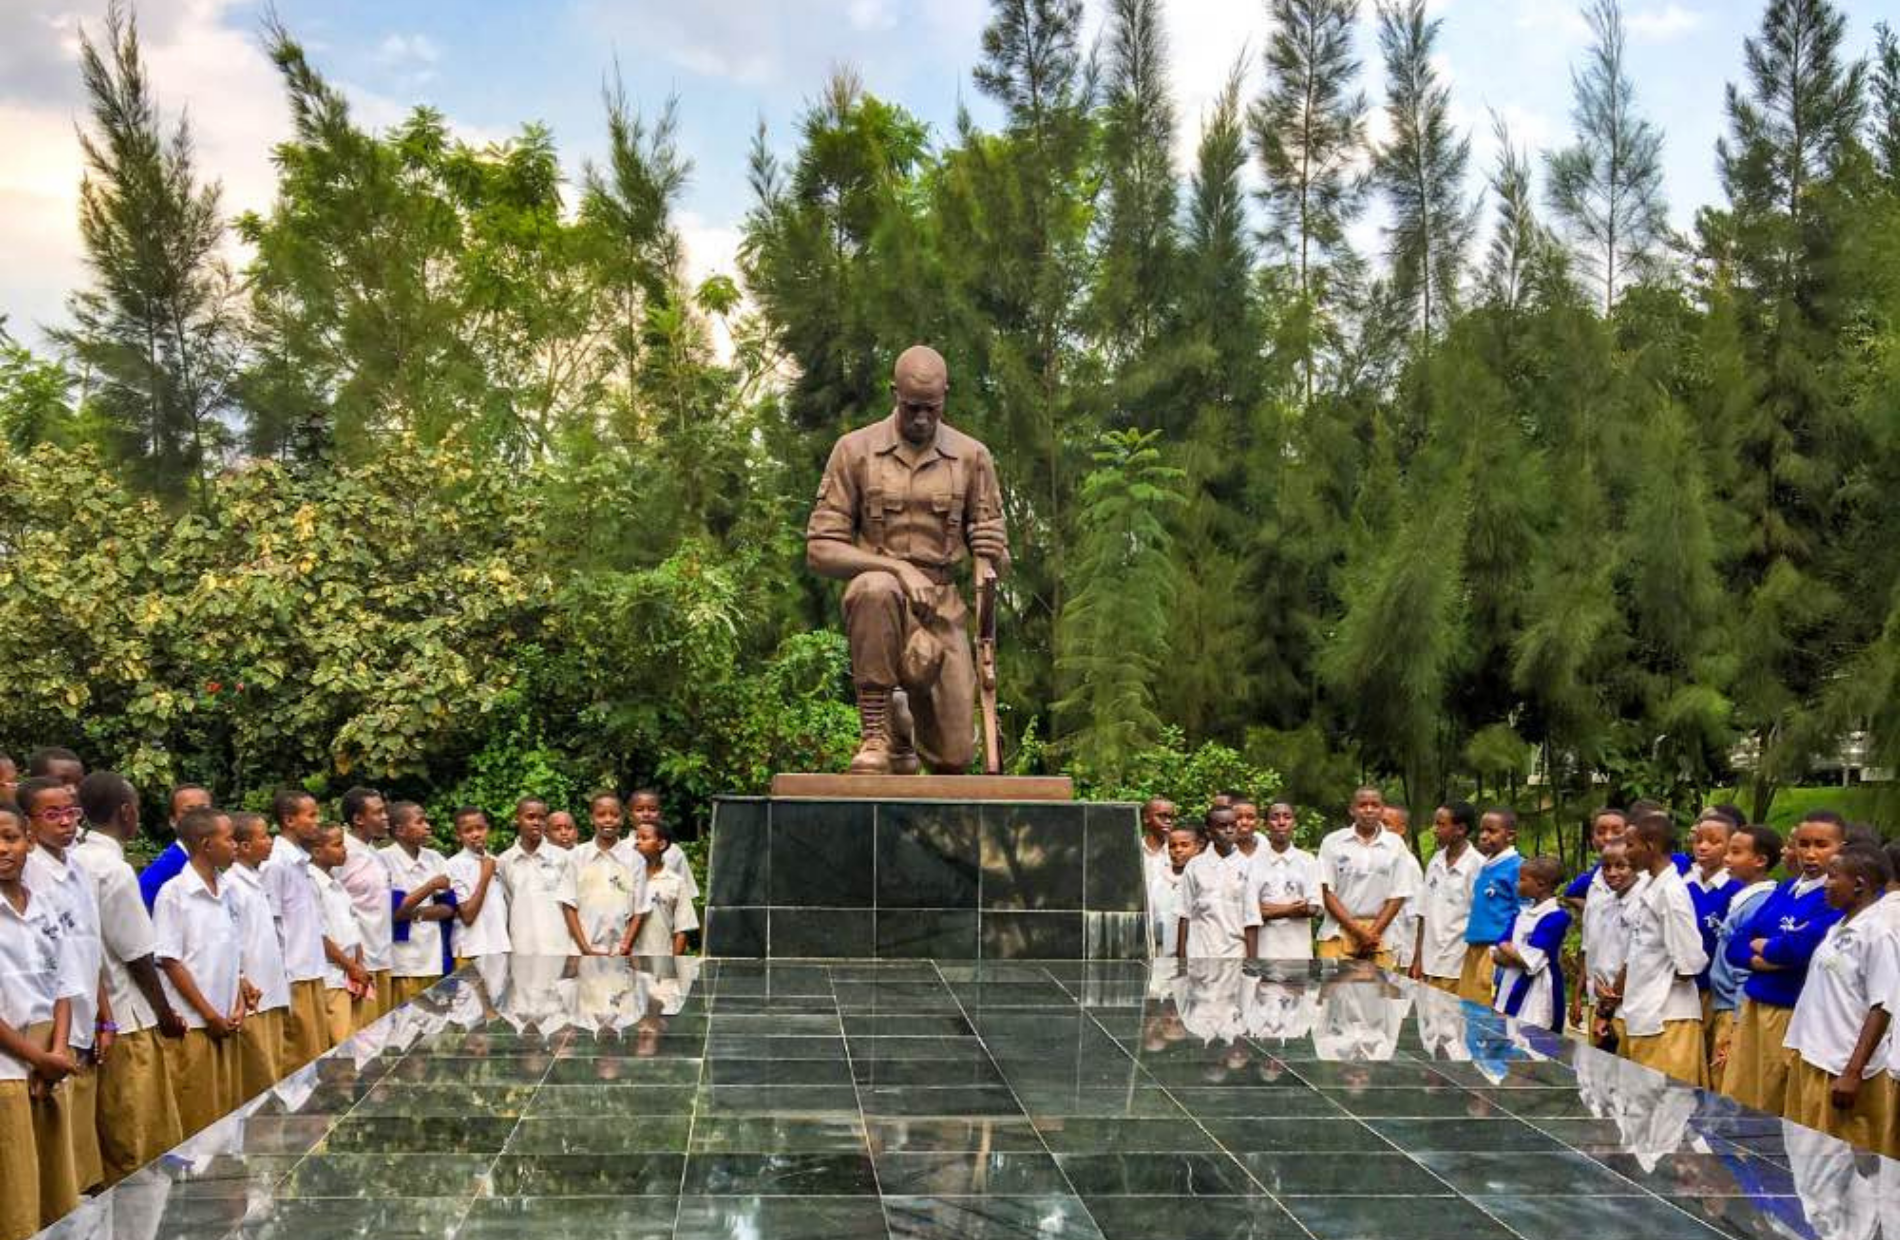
(1164, 906)
(1665, 954)
(674, 859)
(487, 935)
(610, 889)
(295, 907)
(339, 926)
(1217, 900)
(70, 898)
(669, 912)
(1446, 907)
(1856, 967)
(262, 956)
(365, 876)
(125, 927)
(199, 928)
(421, 955)
(33, 977)
(1363, 874)
(1288, 877)
(540, 884)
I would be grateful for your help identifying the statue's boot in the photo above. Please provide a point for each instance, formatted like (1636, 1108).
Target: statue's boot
(874, 733)
(903, 729)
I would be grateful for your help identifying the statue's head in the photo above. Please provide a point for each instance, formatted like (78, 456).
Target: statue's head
(919, 383)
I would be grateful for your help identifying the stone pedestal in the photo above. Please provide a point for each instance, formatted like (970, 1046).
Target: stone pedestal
(949, 880)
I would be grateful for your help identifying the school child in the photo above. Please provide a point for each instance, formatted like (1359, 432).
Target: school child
(1286, 887)
(1164, 890)
(200, 950)
(480, 928)
(1710, 889)
(1753, 853)
(1451, 880)
(1886, 913)
(419, 877)
(644, 807)
(542, 896)
(662, 930)
(1776, 946)
(345, 980)
(137, 1118)
(610, 880)
(1220, 911)
(260, 1040)
(37, 991)
(563, 832)
(53, 815)
(1246, 826)
(1605, 825)
(1157, 823)
(1363, 884)
(297, 909)
(1606, 940)
(1403, 934)
(1494, 904)
(152, 879)
(1530, 967)
(1657, 999)
(1838, 1036)
(365, 875)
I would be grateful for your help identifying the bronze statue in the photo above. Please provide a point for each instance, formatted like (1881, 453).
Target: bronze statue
(902, 503)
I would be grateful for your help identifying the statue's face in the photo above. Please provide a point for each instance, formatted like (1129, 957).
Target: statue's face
(919, 408)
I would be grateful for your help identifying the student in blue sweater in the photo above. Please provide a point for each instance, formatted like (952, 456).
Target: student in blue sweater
(1776, 946)
(1494, 904)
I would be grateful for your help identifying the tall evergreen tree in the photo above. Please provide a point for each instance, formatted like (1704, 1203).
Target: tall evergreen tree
(1136, 229)
(1886, 101)
(1422, 171)
(1607, 188)
(1519, 242)
(1308, 130)
(157, 329)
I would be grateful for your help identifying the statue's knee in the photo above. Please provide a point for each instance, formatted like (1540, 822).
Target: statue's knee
(873, 588)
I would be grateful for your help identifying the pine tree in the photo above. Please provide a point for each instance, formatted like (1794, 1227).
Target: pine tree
(1136, 234)
(1308, 129)
(1607, 188)
(1422, 171)
(157, 332)
(1519, 243)
(1886, 101)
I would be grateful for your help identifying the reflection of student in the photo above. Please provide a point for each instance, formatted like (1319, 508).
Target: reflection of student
(1838, 1083)
(1839, 1191)
(1208, 996)
(1360, 1018)
(1530, 975)
(1278, 1011)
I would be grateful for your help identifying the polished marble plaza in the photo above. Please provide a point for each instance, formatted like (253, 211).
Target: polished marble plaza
(970, 1100)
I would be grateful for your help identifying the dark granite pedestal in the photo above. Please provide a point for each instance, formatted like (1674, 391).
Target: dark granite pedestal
(914, 879)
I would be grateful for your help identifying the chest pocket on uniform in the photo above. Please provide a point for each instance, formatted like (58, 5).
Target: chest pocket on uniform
(948, 505)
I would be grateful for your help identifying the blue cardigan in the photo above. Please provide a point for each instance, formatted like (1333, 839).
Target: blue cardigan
(1495, 903)
(164, 868)
(1794, 926)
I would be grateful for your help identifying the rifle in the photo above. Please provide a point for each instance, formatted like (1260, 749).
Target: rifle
(986, 664)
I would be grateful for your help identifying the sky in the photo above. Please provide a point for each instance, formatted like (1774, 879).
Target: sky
(493, 65)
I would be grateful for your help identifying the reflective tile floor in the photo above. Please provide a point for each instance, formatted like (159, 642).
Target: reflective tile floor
(971, 1101)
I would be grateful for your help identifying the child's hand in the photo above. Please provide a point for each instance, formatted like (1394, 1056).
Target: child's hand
(249, 996)
(1846, 1090)
(102, 1040)
(52, 1067)
(488, 867)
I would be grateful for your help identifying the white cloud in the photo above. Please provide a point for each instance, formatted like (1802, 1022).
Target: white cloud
(410, 57)
(870, 15)
(1661, 25)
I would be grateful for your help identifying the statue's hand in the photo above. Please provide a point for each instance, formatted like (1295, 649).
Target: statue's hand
(919, 590)
(989, 544)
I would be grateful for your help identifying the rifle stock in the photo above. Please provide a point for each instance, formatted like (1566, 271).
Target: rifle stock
(986, 664)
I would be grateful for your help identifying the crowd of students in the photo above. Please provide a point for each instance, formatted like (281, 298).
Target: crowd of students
(1698, 965)
(136, 1008)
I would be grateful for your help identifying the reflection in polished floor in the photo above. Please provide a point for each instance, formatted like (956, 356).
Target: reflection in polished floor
(750, 1099)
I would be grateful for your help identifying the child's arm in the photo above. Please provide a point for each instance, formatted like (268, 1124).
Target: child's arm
(1792, 949)
(105, 1030)
(416, 907)
(679, 943)
(1390, 910)
(48, 1064)
(1417, 971)
(1682, 938)
(1251, 936)
(1847, 1085)
(351, 966)
(471, 908)
(572, 917)
(1338, 912)
(187, 987)
(633, 932)
(1505, 953)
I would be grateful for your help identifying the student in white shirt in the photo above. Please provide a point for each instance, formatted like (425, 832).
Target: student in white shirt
(1286, 887)
(644, 807)
(365, 875)
(1660, 1007)
(480, 928)
(345, 980)
(662, 930)
(298, 912)
(421, 875)
(138, 1119)
(542, 901)
(200, 950)
(1839, 1033)
(37, 1185)
(1220, 911)
(1530, 982)
(1157, 823)
(260, 1048)
(610, 880)
(1363, 876)
(1450, 878)
(1886, 914)
(1606, 939)
(562, 831)
(53, 817)
(1403, 933)
(1164, 890)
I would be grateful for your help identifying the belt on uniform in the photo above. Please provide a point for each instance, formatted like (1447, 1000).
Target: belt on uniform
(942, 574)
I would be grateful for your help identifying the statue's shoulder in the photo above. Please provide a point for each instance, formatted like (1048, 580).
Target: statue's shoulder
(960, 444)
